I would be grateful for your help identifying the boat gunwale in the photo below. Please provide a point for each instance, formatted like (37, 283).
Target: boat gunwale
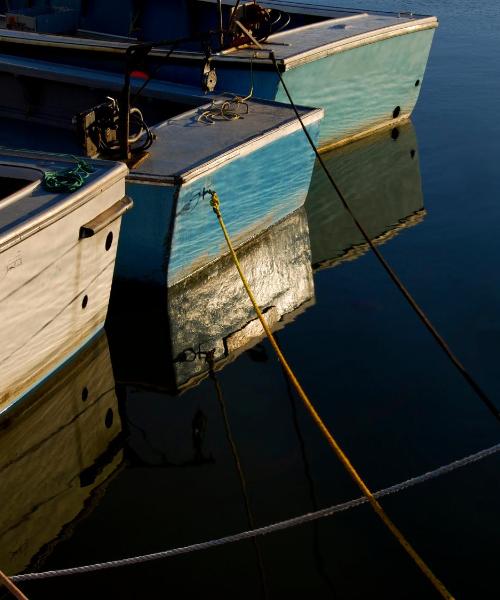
(27, 189)
(416, 23)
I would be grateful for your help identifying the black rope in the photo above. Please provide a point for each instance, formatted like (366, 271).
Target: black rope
(399, 284)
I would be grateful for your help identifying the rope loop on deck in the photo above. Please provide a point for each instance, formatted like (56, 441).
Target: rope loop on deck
(439, 586)
(67, 180)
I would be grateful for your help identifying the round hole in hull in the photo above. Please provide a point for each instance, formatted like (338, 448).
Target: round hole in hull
(109, 241)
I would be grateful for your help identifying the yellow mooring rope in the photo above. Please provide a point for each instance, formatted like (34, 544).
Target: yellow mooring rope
(215, 204)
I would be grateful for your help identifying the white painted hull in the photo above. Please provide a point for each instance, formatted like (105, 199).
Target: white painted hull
(44, 280)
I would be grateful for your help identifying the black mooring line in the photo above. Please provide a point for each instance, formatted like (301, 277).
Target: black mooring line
(392, 274)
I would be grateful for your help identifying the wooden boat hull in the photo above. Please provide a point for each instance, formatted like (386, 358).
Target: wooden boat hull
(54, 289)
(172, 231)
(361, 89)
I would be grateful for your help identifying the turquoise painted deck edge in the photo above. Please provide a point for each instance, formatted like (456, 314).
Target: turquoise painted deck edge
(24, 396)
(358, 88)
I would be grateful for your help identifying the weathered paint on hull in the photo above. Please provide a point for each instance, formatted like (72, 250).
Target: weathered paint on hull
(173, 231)
(45, 318)
(358, 88)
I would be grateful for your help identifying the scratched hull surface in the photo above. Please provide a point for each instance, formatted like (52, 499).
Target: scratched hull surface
(256, 191)
(54, 286)
(49, 454)
(210, 311)
(380, 178)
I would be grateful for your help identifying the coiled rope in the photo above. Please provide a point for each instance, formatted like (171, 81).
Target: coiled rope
(67, 180)
(64, 180)
(399, 284)
(267, 529)
(215, 203)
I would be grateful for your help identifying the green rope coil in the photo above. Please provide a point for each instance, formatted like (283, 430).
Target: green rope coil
(67, 180)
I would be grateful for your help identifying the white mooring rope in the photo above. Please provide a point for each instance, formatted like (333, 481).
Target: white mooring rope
(294, 522)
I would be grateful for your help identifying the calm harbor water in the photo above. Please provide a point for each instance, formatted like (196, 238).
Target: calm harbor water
(153, 470)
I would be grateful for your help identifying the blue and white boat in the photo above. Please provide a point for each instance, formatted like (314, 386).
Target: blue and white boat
(252, 153)
(365, 68)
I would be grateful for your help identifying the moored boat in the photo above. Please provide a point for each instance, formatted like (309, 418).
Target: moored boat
(57, 257)
(365, 68)
(253, 153)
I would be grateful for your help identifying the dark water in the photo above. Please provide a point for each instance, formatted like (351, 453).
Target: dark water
(383, 387)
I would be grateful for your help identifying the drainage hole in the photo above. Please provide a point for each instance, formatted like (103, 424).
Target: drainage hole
(85, 394)
(412, 153)
(417, 83)
(395, 133)
(109, 240)
(395, 112)
(85, 301)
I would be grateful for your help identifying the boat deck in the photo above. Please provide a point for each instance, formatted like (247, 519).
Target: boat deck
(32, 205)
(333, 35)
(187, 147)
(184, 147)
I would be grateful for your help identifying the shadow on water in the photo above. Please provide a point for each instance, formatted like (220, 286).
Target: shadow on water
(206, 438)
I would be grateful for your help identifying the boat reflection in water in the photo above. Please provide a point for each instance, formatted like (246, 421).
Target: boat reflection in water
(380, 177)
(56, 449)
(163, 339)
